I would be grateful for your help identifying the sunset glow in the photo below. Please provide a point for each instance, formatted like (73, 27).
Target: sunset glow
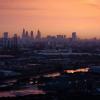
(51, 16)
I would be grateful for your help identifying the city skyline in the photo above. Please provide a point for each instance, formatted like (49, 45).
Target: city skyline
(35, 33)
(51, 16)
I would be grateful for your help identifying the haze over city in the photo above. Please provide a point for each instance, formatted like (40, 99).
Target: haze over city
(49, 49)
(51, 16)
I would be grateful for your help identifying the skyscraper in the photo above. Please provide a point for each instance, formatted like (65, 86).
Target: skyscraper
(5, 35)
(5, 40)
(23, 34)
(74, 36)
(38, 36)
(27, 35)
(15, 41)
(32, 35)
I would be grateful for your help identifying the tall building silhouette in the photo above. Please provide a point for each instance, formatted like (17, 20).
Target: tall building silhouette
(38, 36)
(5, 35)
(27, 35)
(5, 40)
(32, 35)
(23, 34)
(74, 36)
(15, 41)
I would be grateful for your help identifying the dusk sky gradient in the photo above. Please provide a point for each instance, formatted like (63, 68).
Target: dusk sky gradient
(51, 16)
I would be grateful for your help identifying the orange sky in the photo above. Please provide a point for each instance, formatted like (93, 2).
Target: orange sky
(51, 16)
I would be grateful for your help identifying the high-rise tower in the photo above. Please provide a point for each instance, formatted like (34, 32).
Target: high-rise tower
(5, 40)
(15, 41)
(32, 35)
(38, 36)
(23, 34)
(74, 36)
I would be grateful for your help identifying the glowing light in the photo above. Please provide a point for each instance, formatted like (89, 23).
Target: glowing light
(81, 70)
(52, 75)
